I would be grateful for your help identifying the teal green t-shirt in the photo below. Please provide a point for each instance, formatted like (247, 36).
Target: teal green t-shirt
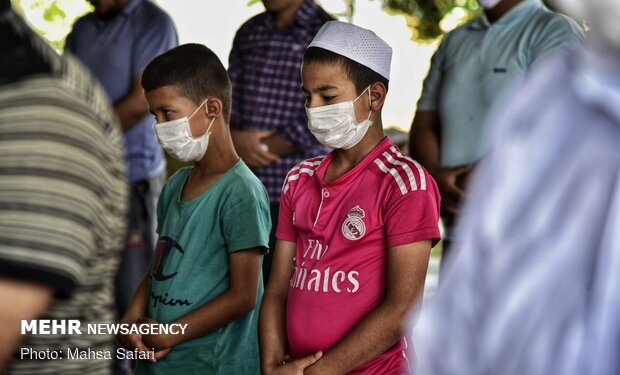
(191, 269)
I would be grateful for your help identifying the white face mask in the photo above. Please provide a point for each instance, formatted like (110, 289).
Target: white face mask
(335, 125)
(488, 4)
(177, 140)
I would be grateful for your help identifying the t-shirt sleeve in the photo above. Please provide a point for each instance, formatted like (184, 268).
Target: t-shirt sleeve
(413, 217)
(247, 222)
(47, 206)
(560, 32)
(429, 100)
(286, 230)
(158, 36)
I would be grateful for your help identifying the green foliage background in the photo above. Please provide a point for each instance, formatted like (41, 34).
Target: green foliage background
(424, 16)
(52, 18)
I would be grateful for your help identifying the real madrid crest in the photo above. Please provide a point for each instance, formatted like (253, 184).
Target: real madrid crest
(353, 227)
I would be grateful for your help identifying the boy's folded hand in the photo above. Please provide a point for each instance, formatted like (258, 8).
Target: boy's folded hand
(161, 354)
(132, 341)
(294, 366)
(158, 343)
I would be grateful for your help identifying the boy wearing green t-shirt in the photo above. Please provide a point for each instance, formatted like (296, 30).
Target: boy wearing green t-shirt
(213, 224)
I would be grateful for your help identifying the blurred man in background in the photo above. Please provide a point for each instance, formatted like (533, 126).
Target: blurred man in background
(475, 65)
(269, 120)
(532, 287)
(63, 203)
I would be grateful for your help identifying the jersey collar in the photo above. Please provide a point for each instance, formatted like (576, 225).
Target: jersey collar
(356, 171)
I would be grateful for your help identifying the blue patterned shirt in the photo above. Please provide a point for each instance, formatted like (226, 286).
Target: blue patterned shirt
(265, 64)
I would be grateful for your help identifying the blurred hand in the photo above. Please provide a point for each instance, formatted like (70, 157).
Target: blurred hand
(248, 144)
(451, 184)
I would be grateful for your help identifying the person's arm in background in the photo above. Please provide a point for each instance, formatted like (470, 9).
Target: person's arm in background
(158, 36)
(23, 301)
(133, 108)
(277, 144)
(425, 137)
(249, 145)
(424, 147)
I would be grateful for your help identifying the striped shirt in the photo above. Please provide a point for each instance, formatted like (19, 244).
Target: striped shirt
(534, 284)
(265, 65)
(63, 194)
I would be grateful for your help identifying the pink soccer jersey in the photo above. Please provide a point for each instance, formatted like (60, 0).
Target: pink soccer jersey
(343, 232)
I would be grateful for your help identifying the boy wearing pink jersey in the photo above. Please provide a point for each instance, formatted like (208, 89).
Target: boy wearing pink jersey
(356, 226)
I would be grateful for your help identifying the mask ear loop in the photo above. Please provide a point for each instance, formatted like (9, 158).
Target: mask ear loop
(197, 108)
(369, 100)
(208, 132)
(210, 125)
(212, 120)
(362, 93)
(369, 103)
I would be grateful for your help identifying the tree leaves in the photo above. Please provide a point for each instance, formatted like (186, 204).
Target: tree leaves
(425, 16)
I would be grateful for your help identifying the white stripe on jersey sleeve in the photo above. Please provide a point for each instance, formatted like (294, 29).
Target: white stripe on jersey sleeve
(414, 185)
(417, 165)
(394, 173)
(292, 177)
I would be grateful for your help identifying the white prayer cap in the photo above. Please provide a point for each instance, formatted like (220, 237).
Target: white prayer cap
(356, 43)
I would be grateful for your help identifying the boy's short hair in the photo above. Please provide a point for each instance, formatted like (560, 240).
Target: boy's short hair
(194, 70)
(360, 75)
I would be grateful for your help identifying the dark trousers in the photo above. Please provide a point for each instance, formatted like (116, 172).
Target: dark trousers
(139, 247)
(274, 209)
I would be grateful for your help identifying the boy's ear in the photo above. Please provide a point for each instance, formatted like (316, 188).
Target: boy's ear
(378, 91)
(214, 107)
